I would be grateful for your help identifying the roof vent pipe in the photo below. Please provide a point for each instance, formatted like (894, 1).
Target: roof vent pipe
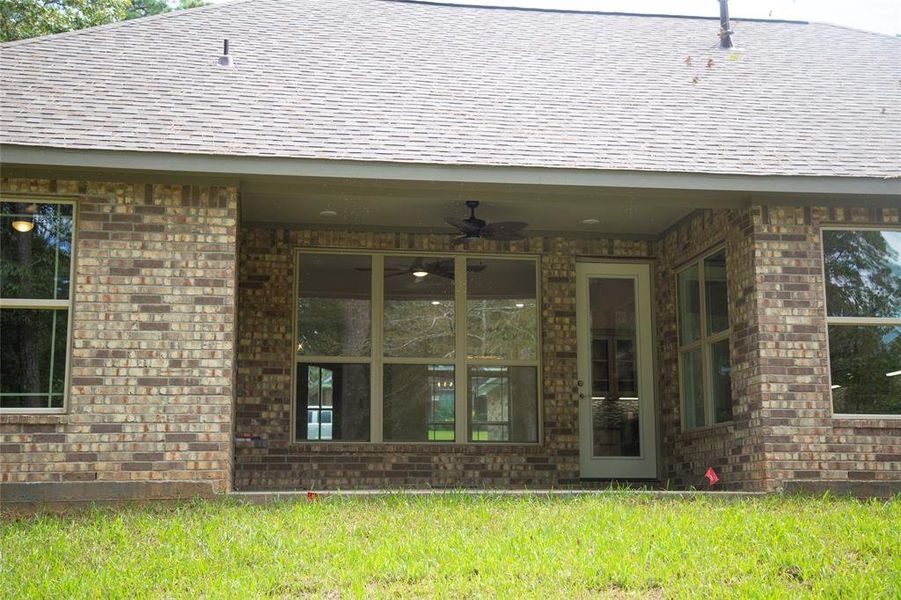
(225, 60)
(725, 26)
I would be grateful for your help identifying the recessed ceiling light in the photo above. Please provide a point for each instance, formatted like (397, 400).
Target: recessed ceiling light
(591, 221)
(419, 274)
(435, 303)
(328, 213)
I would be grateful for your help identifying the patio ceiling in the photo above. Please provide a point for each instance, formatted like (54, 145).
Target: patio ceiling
(419, 206)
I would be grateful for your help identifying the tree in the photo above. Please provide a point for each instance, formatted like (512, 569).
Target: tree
(20, 19)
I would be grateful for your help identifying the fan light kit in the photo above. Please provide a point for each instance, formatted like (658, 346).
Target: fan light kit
(436, 303)
(473, 228)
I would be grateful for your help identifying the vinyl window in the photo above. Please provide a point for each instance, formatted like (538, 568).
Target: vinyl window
(704, 332)
(416, 347)
(36, 249)
(862, 269)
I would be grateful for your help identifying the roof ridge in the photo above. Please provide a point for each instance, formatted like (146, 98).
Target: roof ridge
(452, 4)
(124, 22)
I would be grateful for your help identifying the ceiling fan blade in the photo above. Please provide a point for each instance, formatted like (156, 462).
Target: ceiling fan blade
(504, 230)
(397, 274)
(463, 225)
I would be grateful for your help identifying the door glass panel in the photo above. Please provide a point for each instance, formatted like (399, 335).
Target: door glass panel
(614, 367)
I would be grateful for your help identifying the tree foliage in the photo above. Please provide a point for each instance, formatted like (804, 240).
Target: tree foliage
(20, 19)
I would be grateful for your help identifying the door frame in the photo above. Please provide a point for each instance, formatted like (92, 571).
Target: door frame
(645, 465)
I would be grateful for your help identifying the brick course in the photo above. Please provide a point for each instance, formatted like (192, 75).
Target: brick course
(150, 393)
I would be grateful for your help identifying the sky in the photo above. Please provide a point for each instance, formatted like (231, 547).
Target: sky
(883, 16)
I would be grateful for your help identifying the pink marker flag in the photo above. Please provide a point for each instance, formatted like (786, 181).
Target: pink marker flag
(711, 476)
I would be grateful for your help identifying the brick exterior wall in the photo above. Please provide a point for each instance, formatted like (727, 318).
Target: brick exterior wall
(152, 347)
(804, 441)
(734, 449)
(155, 393)
(266, 355)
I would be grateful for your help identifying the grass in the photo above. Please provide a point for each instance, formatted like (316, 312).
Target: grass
(621, 545)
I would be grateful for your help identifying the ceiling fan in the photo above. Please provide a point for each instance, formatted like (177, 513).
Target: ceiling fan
(474, 228)
(420, 269)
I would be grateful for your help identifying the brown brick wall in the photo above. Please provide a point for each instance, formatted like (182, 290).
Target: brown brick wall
(266, 352)
(803, 439)
(733, 449)
(152, 350)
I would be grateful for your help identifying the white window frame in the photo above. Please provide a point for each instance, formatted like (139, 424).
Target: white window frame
(852, 321)
(376, 360)
(705, 343)
(49, 304)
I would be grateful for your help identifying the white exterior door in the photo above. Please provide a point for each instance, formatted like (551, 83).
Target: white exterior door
(617, 434)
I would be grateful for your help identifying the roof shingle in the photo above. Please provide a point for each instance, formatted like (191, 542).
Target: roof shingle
(407, 82)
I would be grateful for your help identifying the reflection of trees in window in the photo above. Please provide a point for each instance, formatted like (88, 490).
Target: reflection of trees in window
(334, 326)
(863, 302)
(35, 271)
(863, 274)
(502, 328)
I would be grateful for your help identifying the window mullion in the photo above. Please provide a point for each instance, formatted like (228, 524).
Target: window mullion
(376, 352)
(461, 418)
(706, 371)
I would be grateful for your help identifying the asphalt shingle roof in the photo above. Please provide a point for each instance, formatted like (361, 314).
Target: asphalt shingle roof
(407, 82)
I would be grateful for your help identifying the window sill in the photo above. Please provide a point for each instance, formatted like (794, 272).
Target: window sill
(450, 447)
(48, 418)
(887, 421)
(709, 428)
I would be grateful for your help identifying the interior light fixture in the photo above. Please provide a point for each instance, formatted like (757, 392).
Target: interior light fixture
(520, 305)
(835, 387)
(420, 273)
(435, 303)
(591, 221)
(23, 225)
(328, 213)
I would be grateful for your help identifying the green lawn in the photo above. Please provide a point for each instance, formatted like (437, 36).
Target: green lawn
(619, 544)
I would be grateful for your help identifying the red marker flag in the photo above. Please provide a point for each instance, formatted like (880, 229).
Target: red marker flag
(312, 496)
(711, 476)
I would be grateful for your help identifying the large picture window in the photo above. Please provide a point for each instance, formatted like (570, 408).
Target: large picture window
(35, 305)
(416, 348)
(704, 363)
(863, 312)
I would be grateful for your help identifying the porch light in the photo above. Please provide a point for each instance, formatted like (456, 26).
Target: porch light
(893, 374)
(420, 273)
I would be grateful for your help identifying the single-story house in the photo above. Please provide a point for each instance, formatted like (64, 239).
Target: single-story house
(260, 266)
